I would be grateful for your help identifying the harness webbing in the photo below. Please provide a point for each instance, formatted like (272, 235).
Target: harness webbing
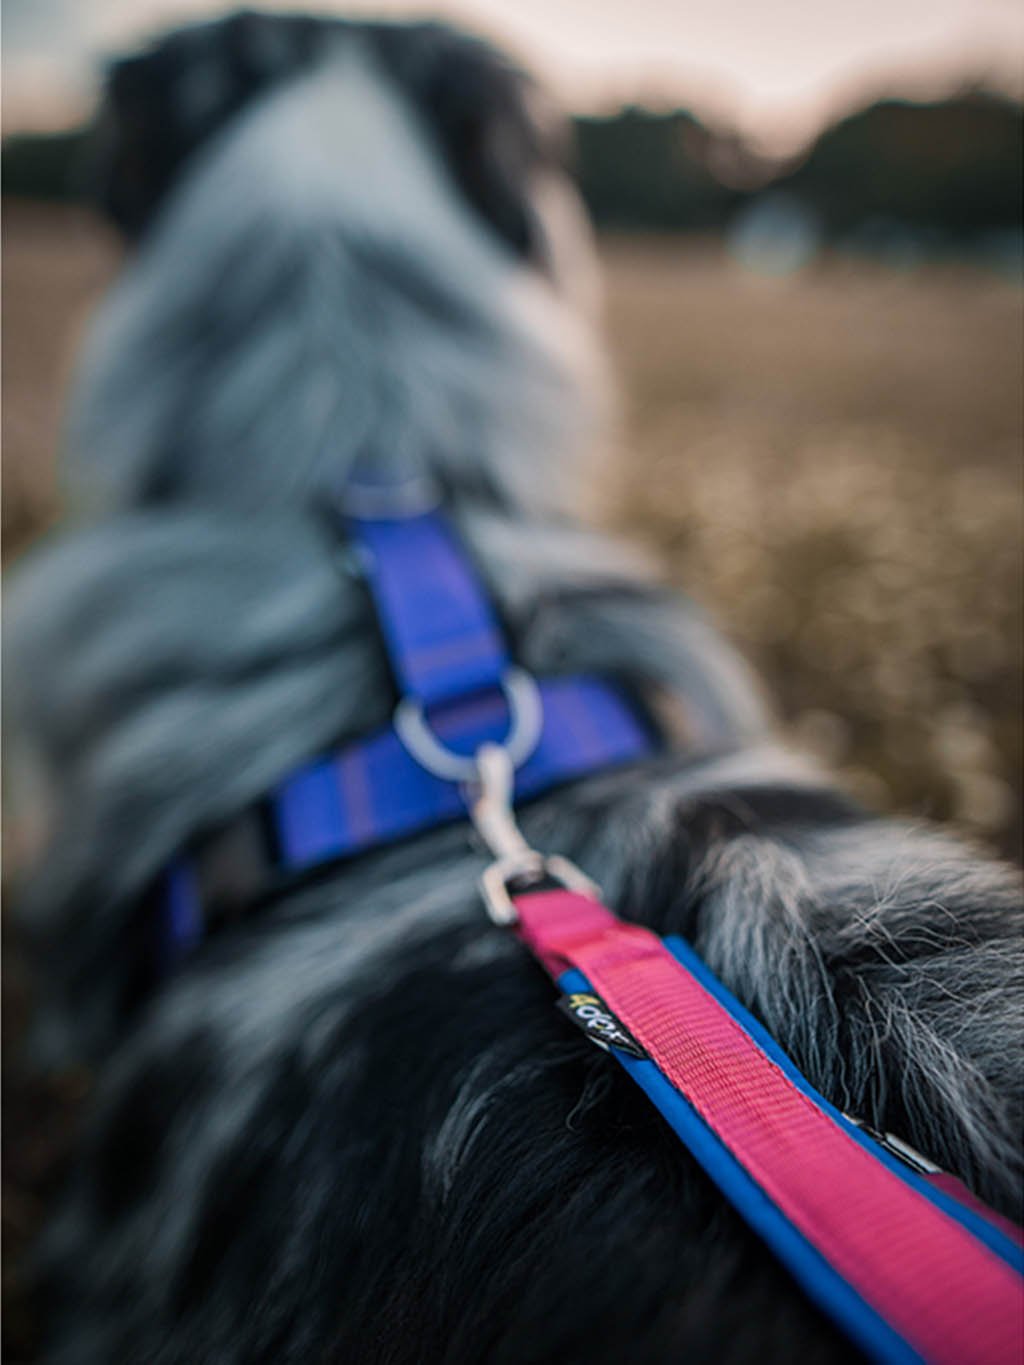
(909, 1272)
(451, 664)
(374, 791)
(442, 637)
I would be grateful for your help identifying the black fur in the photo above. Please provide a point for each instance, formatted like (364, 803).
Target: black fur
(165, 103)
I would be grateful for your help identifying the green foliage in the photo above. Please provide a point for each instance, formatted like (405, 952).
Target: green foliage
(640, 169)
(45, 165)
(955, 167)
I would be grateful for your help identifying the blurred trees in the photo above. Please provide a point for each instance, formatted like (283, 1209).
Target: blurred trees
(949, 172)
(639, 169)
(954, 167)
(45, 165)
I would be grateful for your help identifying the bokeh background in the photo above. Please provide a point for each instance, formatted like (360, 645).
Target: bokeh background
(809, 216)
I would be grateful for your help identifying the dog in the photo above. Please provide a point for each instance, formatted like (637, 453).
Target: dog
(352, 1127)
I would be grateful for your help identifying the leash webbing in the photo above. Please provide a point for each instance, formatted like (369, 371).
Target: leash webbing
(910, 1273)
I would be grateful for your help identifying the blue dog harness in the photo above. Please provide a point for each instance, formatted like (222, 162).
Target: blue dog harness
(901, 1257)
(459, 691)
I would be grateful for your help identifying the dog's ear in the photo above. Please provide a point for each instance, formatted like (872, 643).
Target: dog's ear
(162, 104)
(494, 128)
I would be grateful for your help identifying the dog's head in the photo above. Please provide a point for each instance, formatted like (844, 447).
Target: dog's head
(492, 126)
(352, 241)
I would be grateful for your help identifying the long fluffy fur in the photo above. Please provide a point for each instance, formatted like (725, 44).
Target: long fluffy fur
(354, 1128)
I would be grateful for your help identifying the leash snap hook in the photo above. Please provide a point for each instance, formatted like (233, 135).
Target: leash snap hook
(489, 798)
(516, 863)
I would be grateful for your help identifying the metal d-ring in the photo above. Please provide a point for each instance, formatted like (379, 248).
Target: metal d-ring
(526, 718)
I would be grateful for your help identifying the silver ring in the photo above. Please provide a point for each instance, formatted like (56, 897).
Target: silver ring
(526, 719)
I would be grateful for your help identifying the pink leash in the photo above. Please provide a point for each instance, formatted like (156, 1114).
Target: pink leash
(927, 1278)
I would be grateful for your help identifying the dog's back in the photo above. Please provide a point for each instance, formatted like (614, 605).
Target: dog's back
(353, 1127)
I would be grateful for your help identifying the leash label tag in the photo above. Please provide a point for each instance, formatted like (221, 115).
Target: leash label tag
(589, 1013)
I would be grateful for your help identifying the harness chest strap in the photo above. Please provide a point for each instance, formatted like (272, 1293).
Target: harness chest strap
(909, 1272)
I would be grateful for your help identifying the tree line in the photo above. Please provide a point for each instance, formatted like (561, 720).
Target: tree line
(951, 168)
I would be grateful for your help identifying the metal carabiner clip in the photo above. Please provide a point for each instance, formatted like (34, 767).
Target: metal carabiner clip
(516, 863)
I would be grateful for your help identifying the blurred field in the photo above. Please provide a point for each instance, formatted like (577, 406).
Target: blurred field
(832, 463)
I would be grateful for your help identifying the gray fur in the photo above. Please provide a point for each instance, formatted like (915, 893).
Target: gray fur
(327, 206)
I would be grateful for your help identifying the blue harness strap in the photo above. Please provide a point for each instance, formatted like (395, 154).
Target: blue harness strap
(437, 621)
(375, 792)
(450, 661)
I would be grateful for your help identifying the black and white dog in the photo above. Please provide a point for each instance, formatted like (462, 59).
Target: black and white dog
(354, 1128)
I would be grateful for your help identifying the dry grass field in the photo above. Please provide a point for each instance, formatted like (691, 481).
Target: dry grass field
(832, 464)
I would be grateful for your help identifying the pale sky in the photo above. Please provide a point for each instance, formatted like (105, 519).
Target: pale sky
(774, 69)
